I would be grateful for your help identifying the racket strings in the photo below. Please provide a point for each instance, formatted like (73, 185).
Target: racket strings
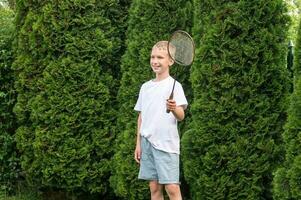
(184, 48)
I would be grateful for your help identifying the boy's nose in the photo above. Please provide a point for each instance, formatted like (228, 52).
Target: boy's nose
(155, 61)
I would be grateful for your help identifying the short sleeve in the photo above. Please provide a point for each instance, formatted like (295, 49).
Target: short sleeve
(179, 96)
(138, 106)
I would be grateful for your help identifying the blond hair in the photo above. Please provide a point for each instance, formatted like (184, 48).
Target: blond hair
(162, 45)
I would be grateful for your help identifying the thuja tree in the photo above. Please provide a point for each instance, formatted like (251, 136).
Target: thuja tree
(9, 167)
(149, 22)
(287, 184)
(67, 60)
(240, 86)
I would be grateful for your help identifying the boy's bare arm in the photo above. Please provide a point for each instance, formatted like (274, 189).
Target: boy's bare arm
(178, 111)
(138, 146)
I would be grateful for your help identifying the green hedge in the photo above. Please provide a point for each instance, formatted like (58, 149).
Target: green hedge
(287, 184)
(76, 125)
(67, 63)
(9, 161)
(149, 22)
(240, 86)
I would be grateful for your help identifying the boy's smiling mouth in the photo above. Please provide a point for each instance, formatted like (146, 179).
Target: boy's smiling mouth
(156, 67)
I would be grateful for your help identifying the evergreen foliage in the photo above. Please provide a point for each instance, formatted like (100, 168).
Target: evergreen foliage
(149, 22)
(287, 183)
(239, 86)
(9, 165)
(67, 63)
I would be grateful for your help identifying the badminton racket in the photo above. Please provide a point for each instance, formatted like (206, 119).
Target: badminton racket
(181, 49)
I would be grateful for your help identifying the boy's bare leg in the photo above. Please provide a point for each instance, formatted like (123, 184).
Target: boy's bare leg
(156, 190)
(173, 191)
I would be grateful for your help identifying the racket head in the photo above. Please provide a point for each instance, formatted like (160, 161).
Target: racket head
(181, 48)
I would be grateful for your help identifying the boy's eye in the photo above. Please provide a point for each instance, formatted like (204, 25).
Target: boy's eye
(158, 57)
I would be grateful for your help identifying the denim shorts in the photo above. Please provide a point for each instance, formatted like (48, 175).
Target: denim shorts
(158, 165)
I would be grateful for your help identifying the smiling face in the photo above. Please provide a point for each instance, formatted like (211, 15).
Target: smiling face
(160, 60)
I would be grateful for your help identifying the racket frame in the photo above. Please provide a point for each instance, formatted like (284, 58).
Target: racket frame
(191, 39)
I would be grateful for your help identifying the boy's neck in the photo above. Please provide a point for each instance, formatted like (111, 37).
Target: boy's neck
(160, 77)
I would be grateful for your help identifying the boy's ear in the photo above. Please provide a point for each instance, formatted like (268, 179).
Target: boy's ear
(171, 62)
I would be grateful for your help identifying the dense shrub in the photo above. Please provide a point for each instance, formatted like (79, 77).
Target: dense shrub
(149, 22)
(67, 63)
(240, 86)
(287, 184)
(9, 162)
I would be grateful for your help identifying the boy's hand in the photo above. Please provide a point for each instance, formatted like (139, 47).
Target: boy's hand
(178, 111)
(171, 104)
(138, 153)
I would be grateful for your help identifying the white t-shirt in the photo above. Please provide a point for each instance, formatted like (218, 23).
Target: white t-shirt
(158, 126)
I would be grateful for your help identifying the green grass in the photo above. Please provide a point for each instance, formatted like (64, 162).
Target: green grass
(20, 196)
(22, 193)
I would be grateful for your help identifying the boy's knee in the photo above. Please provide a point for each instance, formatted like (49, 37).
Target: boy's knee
(173, 189)
(155, 187)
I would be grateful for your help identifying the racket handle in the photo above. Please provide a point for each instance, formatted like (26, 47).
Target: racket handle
(170, 97)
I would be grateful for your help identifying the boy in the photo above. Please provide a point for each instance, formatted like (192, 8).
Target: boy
(158, 144)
